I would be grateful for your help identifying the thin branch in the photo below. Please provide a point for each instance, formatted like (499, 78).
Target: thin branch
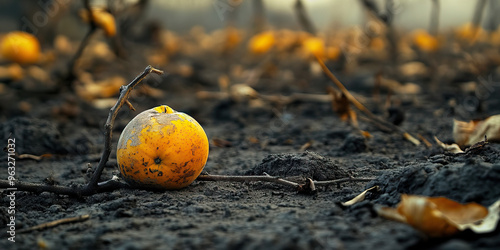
(338, 181)
(277, 180)
(478, 13)
(33, 157)
(360, 106)
(113, 112)
(55, 223)
(259, 19)
(493, 19)
(247, 178)
(102, 187)
(349, 96)
(434, 23)
(38, 188)
(71, 74)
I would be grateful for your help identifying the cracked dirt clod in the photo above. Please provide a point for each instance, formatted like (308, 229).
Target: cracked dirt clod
(305, 165)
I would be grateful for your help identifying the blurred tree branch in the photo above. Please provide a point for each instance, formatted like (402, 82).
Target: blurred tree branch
(259, 20)
(303, 17)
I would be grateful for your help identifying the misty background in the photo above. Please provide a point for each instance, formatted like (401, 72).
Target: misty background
(181, 15)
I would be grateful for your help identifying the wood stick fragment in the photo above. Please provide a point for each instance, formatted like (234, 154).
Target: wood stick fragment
(426, 142)
(272, 179)
(348, 179)
(361, 107)
(130, 106)
(55, 223)
(33, 157)
(108, 133)
(411, 138)
(249, 178)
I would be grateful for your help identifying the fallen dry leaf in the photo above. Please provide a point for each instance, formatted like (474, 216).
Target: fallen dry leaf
(488, 224)
(360, 197)
(242, 92)
(411, 139)
(468, 133)
(340, 104)
(102, 19)
(90, 90)
(440, 216)
(413, 69)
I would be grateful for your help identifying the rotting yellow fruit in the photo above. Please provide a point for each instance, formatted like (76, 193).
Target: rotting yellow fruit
(102, 18)
(314, 46)
(20, 47)
(162, 149)
(470, 32)
(425, 41)
(262, 42)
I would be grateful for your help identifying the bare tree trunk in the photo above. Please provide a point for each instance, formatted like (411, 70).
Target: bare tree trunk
(391, 33)
(304, 19)
(478, 13)
(258, 16)
(434, 23)
(493, 17)
(387, 19)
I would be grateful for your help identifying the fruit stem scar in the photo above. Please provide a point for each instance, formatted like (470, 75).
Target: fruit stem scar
(158, 160)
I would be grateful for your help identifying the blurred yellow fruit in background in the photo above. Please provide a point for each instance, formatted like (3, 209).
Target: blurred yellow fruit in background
(315, 46)
(425, 41)
(162, 149)
(20, 47)
(262, 42)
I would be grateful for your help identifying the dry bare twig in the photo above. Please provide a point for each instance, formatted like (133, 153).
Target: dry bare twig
(55, 223)
(277, 180)
(380, 123)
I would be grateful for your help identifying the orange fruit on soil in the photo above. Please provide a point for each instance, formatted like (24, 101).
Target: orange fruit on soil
(162, 149)
(20, 47)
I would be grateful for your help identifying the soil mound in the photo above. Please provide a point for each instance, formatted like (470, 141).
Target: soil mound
(306, 165)
(467, 181)
(34, 136)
